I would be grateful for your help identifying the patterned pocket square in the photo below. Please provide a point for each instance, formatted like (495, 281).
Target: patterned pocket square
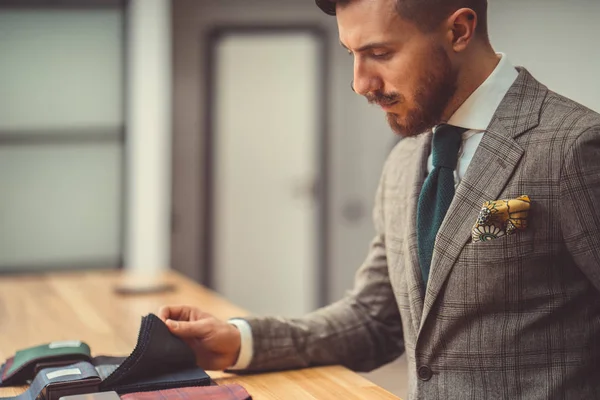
(498, 218)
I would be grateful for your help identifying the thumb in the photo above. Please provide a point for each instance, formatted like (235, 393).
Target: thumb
(189, 330)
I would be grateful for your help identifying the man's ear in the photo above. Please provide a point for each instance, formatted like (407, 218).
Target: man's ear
(461, 28)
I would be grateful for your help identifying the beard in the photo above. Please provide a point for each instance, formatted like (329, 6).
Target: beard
(435, 89)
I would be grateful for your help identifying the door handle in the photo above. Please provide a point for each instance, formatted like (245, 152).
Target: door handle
(306, 188)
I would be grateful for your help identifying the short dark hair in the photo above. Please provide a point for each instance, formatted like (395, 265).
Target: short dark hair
(427, 14)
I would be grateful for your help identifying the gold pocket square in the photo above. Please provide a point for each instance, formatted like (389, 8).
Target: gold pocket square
(498, 218)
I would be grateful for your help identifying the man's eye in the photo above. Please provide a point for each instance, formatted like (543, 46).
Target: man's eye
(380, 55)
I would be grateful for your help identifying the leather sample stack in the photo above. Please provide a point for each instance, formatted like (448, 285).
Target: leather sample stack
(160, 361)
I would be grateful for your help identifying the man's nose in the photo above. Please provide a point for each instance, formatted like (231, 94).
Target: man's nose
(364, 81)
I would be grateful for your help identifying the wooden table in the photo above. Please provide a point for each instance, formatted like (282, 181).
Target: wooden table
(37, 309)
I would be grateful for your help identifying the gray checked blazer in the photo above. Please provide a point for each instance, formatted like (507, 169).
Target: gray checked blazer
(517, 317)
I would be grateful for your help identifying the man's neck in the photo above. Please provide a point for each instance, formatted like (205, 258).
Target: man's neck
(473, 73)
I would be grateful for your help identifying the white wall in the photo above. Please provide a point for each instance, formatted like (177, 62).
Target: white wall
(556, 40)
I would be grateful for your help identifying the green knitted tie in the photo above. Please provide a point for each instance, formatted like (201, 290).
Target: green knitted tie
(437, 192)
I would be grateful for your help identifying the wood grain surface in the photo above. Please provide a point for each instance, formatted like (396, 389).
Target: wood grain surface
(41, 308)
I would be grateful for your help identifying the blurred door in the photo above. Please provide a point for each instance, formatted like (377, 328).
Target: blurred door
(266, 138)
(61, 135)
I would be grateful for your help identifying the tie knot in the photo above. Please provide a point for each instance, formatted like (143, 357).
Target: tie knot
(446, 143)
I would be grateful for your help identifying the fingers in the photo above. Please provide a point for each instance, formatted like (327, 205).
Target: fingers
(191, 330)
(181, 313)
(176, 313)
(164, 313)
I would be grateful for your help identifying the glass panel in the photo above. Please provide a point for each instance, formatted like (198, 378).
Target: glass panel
(60, 69)
(61, 205)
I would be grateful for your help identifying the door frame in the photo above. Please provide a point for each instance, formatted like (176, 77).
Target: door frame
(207, 183)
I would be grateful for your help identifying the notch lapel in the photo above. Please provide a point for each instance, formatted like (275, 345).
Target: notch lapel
(493, 164)
(413, 270)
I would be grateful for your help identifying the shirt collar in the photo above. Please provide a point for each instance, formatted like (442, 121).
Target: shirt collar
(477, 111)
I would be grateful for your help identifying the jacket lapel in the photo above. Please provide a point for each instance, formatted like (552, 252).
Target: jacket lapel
(490, 170)
(412, 270)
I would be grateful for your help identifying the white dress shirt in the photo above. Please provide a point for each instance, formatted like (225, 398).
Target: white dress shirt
(477, 112)
(474, 114)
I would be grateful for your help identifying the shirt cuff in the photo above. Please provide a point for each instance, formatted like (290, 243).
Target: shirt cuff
(246, 348)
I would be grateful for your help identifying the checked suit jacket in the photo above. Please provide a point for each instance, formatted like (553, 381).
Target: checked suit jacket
(517, 317)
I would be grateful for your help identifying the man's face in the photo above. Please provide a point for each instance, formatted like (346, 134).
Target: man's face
(405, 71)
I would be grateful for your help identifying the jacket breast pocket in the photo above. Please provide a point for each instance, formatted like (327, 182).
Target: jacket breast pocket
(508, 247)
(491, 273)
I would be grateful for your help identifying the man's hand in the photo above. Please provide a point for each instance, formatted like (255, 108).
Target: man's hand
(216, 343)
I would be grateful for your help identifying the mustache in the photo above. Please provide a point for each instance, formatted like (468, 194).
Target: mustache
(383, 99)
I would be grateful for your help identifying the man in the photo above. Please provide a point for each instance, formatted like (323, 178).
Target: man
(486, 264)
